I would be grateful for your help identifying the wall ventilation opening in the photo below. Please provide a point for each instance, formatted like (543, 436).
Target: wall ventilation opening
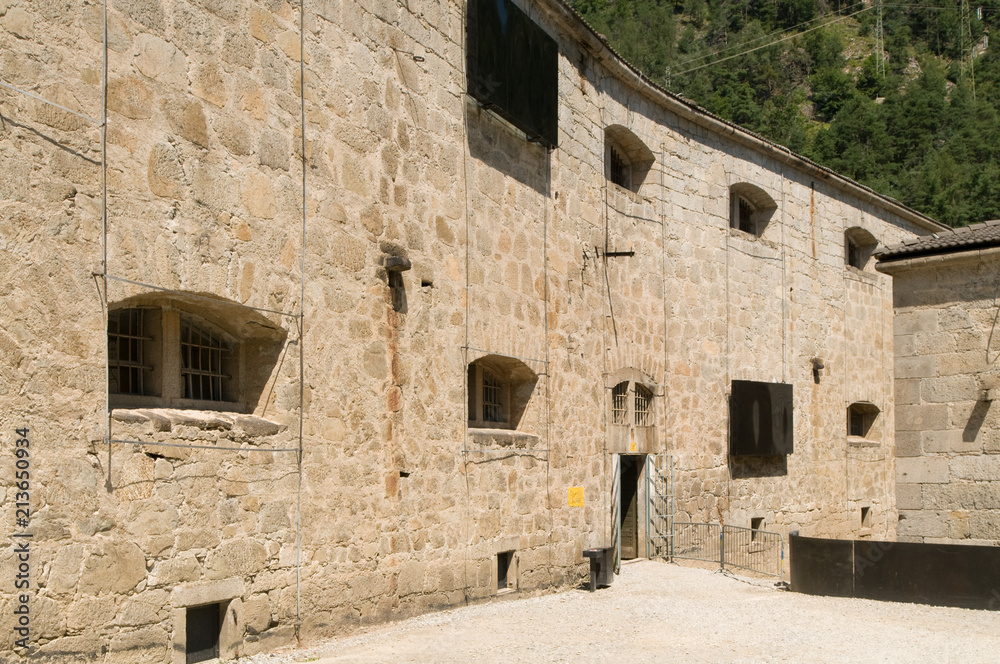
(203, 626)
(866, 517)
(756, 524)
(505, 571)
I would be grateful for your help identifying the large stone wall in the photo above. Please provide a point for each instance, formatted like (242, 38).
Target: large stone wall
(947, 440)
(231, 195)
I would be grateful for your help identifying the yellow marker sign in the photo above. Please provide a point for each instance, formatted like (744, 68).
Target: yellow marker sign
(576, 496)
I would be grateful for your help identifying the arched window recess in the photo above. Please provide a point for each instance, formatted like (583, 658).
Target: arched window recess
(627, 160)
(750, 208)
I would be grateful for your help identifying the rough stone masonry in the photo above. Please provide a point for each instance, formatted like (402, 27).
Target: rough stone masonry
(308, 337)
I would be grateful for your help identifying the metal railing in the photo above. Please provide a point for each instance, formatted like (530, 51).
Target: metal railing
(697, 541)
(758, 551)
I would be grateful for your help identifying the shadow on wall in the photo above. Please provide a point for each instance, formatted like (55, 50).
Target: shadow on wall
(504, 148)
(741, 467)
(975, 423)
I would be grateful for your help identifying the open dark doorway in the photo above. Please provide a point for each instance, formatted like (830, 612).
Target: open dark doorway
(631, 472)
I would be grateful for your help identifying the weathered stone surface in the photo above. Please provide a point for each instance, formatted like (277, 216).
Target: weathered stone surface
(922, 470)
(236, 558)
(976, 468)
(908, 497)
(112, 568)
(146, 645)
(198, 594)
(19, 22)
(131, 97)
(166, 176)
(160, 60)
(145, 609)
(402, 508)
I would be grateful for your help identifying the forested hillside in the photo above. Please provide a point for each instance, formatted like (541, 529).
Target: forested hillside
(922, 125)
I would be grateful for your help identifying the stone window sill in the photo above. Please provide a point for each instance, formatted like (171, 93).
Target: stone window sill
(858, 441)
(165, 419)
(502, 438)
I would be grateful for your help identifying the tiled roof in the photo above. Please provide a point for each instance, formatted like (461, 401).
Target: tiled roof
(952, 241)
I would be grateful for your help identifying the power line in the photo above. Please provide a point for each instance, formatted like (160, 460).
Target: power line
(879, 37)
(767, 36)
(777, 41)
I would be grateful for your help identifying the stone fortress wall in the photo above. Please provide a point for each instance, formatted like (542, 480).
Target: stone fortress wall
(947, 448)
(238, 202)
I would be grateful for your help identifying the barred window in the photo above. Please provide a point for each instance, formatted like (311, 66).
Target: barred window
(859, 245)
(643, 406)
(750, 208)
(492, 397)
(499, 389)
(619, 168)
(861, 417)
(203, 354)
(743, 217)
(161, 354)
(619, 403)
(128, 365)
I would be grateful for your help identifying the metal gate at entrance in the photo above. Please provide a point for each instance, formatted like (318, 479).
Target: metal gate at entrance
(641, 506)
(660, 505)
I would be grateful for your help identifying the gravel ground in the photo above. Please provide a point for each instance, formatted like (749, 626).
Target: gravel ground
(657, 612)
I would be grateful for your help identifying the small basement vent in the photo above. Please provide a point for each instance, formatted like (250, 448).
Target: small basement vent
(756, 524)
(203, 626)
(505, 576)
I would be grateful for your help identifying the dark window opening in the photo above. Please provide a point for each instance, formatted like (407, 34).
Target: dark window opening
(203, 625)
(504, 576)
(619, 168)
(744, 219)
(499, 389)
(866, 517)
(756, 524)
(750, 208)
(859, 245)
(855, 255)
(860, 419)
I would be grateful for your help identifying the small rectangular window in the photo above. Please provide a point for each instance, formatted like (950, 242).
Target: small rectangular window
(505, 578)
(619, 169)
(756, 523)
(746, 216)
(866, 517)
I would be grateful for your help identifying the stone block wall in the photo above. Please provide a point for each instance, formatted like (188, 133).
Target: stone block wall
(263, 171)
(947, 449)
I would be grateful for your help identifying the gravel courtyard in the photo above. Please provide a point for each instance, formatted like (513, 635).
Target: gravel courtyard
(658, 612)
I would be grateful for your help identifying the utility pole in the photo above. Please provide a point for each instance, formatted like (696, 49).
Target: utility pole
(880, 41)
(968, 47)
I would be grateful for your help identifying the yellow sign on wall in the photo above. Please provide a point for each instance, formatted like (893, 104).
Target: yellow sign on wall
(576, 496)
